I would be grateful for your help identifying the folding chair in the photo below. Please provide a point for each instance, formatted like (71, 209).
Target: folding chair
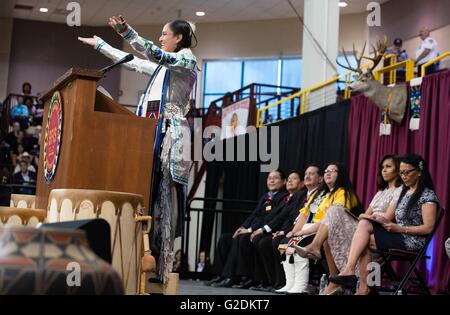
(410, 256)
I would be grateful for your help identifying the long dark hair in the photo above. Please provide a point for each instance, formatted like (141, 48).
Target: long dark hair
(343, 181)
(184, 28)
(381, 183)
(424, 181)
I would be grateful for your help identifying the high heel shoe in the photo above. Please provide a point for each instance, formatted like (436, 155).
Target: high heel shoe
(349, 281)
(303, 252)
(337, 291)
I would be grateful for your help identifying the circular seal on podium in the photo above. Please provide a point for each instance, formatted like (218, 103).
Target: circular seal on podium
(53, 133)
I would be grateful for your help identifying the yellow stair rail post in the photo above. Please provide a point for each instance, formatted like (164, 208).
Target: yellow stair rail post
(429, 63)
(392, 58)
(409, 70)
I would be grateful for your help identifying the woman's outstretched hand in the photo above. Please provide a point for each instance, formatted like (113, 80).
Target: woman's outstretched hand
(92, 41)
(118, 24)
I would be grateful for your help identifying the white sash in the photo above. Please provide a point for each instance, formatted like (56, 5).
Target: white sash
(153, 95)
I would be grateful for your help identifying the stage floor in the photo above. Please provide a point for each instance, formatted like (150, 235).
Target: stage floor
(193, 287)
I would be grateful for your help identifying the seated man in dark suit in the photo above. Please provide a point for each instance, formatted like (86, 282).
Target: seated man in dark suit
(25, 178)
(237, 262)
(268, 271)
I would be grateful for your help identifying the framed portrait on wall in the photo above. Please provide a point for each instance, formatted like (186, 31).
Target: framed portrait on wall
(235, 118)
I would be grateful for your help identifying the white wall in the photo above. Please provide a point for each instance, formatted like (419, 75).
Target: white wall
(353, 29)
(441, 35)
(269, 38)
(5, 49)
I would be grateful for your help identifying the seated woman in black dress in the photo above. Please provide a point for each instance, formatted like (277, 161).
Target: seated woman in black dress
(405, 227)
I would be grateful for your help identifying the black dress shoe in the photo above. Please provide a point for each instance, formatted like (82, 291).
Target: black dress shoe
(345, 281)
(256, 287)
(244, 284)
(214, 280)
(267, 288)
(225, 283)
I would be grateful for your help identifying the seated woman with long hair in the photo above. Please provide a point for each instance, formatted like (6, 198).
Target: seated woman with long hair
(338, 226)
(404, 227)
(335, 191)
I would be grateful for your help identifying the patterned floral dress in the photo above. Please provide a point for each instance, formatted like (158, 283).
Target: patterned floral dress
(342, 226)
(413, 217)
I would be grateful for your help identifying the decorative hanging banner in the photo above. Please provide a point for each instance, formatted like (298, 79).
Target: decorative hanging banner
(52, 141)
(385, 125)
(415, 96)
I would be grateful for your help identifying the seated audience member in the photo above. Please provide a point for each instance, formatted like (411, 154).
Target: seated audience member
(5, 191)
(403, 227)
(11, 138)
(338, 226)
(19, 113)
(203, 268)
(25, 178)
(268, 272)
(31, 106)
(203, 262)
(335, 190)
(27, 158)
(180, 264)
(312, 179)
(26, 88)
(234, 257)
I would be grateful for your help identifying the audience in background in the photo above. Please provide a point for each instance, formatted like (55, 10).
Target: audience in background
(22, 143)
(20, 113)
(25, 178)
(203, 262)
(400, 55)
(428, 50)
(180, 264)
(27, 158)
(26, 88)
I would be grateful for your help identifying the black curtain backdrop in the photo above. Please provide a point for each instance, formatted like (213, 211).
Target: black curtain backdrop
(316, 137)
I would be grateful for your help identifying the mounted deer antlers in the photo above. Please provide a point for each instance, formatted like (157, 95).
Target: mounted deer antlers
(390, 99)
(378, 52)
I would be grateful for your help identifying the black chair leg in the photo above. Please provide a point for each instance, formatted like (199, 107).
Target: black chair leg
(405, 279)
(423, 285)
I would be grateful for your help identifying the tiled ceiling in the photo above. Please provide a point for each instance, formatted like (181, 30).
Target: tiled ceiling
(145, 12)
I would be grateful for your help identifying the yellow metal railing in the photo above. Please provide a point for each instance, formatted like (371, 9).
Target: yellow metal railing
(392, 69)
(429, 63)
(303, 95)
(407, 64)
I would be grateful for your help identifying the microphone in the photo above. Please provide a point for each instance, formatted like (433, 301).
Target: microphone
(125, 59)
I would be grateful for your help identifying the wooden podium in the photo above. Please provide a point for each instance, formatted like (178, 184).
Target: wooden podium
(103, 146)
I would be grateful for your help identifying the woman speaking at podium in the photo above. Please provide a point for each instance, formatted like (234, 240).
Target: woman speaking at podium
(172, 70)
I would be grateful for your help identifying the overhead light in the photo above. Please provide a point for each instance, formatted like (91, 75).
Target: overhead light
(343, 4)
(43, 10)
(200, 13)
